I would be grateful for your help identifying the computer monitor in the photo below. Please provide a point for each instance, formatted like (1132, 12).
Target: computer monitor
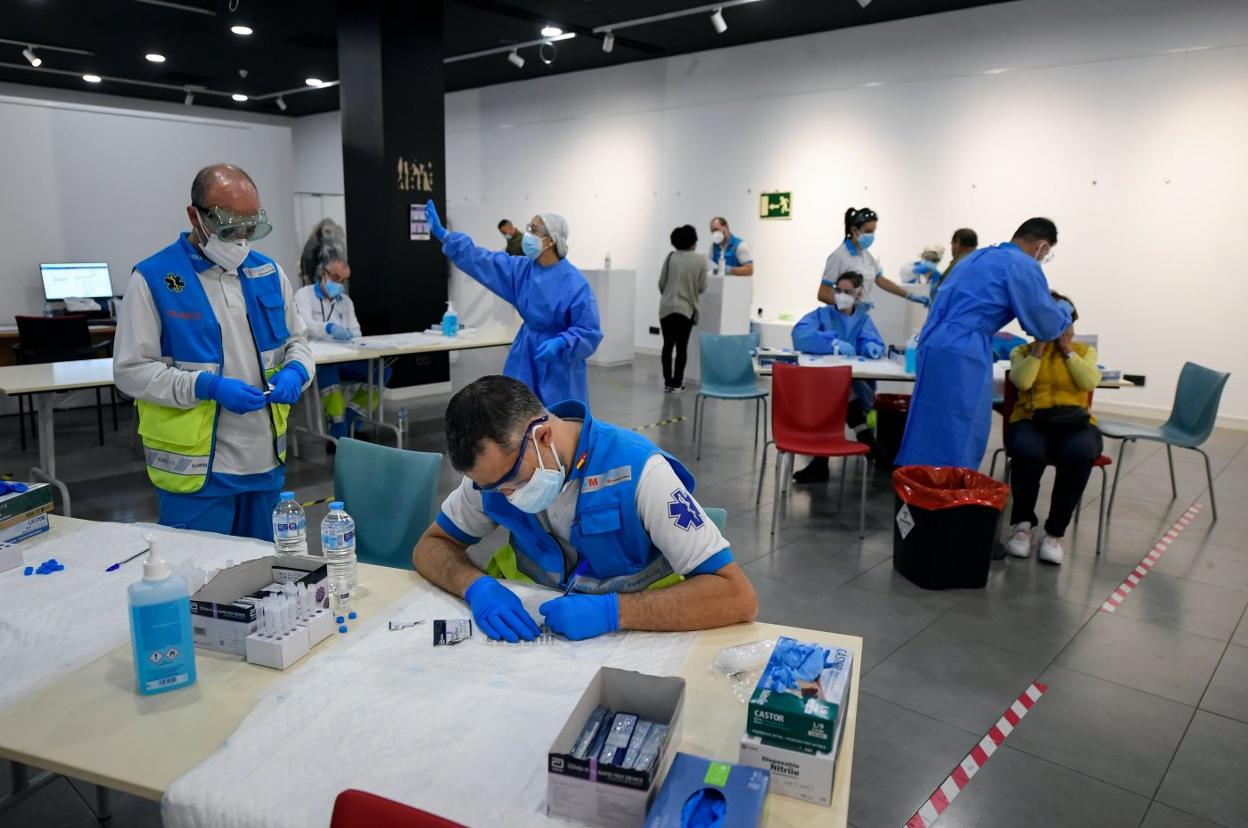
(79, 279)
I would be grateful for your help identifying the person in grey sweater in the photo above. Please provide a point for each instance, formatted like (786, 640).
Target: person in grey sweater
(681, 283)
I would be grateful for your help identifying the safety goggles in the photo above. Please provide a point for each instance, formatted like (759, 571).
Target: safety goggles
(536, 229)
(515, 468)
(230, 226)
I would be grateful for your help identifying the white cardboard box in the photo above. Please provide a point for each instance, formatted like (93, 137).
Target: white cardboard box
(221, 621)
(805, 776)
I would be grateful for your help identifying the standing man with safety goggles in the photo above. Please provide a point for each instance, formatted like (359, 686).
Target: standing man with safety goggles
(214, 354)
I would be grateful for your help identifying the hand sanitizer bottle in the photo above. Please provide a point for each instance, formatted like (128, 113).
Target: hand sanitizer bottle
(160, 627)
(450, 321)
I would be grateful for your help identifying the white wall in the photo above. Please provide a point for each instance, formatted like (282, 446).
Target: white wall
(86, 178)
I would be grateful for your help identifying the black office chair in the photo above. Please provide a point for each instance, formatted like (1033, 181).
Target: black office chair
(59, 339)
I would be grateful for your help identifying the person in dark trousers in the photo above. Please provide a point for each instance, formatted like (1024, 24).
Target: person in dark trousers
(681, 282)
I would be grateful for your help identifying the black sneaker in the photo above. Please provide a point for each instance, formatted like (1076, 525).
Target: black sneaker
(816, 472)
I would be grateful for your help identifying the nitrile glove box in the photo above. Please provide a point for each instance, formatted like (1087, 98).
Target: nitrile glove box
(794, 773)
(586, 792)
(807, 716)
(736, 792)
(37, 499)
(223, 613)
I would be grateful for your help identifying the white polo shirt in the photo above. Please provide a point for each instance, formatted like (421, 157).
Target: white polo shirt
(317, 311)
(843, 260)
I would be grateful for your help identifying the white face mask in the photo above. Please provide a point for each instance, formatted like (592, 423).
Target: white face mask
(1044, 253)
(226, 255)
(717, 236)
(845, 301)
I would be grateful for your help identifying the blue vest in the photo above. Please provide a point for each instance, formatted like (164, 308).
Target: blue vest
(607, 530)
(730, 252)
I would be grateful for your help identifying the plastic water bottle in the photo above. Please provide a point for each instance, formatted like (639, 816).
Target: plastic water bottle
(450, 321)
(338, 543)
(290, 526)
(402, 423)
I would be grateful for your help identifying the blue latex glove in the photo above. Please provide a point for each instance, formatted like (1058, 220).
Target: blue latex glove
(7, 486)
(582, 616)
(234, 394)
(499, 612)
(923, 266)
(920, 299)
(873, 350)
(287, 385)
(840, 346)
(338, 332)
(550, 350)
(435, 222)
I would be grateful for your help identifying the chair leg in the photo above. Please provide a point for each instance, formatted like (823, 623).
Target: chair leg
(1174, 489)
(112, 402)
(862, 501)
(701, 424)
(762, 474)
(992, 468)
(1213, 503)
(99, 415)
(775, 507)
(1113, 490)
(840, 501)
(758, 413)
(1100, 509)
(766, 418)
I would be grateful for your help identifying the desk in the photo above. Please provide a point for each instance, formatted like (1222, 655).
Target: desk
(45, 381)
(93, 726)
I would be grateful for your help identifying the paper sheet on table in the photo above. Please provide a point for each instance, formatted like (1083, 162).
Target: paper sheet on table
(459, 731)
(875, 366)
(401, 340)
(51, 625)
(322, 350)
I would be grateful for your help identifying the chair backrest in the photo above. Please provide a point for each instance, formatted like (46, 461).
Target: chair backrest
(392, 496)
(360, 809)
(1196, 400)
(808, 400)
(727, 360)
(718, 516)
(53, 338)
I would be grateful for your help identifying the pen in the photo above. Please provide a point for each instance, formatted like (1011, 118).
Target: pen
(119, 564)
(575, 574)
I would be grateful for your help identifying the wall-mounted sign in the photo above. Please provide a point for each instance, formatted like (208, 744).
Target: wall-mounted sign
(775, 205)
(419, 222)
(414, 175)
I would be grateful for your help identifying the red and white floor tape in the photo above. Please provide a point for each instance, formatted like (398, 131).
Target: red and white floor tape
(1146, 565)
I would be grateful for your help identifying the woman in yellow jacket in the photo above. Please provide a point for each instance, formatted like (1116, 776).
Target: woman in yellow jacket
(1051, 423)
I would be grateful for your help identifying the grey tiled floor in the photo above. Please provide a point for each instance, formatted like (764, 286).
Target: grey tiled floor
(1145, 722)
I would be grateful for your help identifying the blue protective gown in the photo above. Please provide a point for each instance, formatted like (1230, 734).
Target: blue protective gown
(552, 301)
(817, 331)
(951, 411)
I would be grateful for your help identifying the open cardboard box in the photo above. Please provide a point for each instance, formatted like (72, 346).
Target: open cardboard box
(222, 616)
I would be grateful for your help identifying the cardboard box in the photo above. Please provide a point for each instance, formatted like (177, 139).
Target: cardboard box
(223, 613)
(808, 716)
(20, 528)
(794, 773)
(586, 792)
(36, 499)
(743, 790)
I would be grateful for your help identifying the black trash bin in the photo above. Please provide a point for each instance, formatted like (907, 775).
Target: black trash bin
(891, 411)
(945, 525)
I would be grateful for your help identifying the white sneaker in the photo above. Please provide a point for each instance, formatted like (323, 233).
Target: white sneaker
(1019, 544)
(1051, 550)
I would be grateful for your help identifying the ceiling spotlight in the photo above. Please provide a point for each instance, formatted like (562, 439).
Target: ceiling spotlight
(281, 104)
(241, 30)
(92, 78)
(608, 41)
(548, 51)
(515, 59)
(551, 30)
(314, 82)
(864, 3)
(190, 98)
(155, 57)
(717, 20)
(239, 96)
(29, 54)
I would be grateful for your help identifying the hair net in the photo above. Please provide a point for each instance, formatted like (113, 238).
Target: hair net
(938, 249)
(557, 229)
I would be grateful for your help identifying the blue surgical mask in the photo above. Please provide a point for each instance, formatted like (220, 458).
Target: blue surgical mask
(531, 245)
(543, 487)
(332, 289)
(865, 240)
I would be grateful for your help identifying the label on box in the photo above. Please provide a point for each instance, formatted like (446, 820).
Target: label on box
(805, 776)
(806, 715)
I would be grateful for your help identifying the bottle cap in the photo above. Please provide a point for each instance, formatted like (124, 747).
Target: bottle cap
(154, 566)
(335, 506)
(288, 496)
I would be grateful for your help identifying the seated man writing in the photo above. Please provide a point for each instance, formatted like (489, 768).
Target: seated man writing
(593, 509)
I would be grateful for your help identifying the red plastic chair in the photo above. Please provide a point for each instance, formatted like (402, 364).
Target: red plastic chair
(359, 809)
(1007, 410)
(808, 417)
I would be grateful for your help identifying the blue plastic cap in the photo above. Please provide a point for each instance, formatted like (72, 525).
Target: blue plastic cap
(351, 615)
(288, 496)
(343, 628)
(337, 504)
(339, 619)
(30, 570)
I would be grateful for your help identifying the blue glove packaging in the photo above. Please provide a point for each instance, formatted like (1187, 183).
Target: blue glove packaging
(700, 793)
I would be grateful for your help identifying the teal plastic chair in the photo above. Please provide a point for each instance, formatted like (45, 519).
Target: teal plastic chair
(728, 374)
(718, 516)
(392, 496)
(1192, 418)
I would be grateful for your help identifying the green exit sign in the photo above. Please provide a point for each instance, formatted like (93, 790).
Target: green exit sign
(775, 205)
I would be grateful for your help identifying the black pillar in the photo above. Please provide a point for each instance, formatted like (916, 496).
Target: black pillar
(394, 156)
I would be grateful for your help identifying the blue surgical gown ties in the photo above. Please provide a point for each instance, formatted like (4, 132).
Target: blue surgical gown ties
(553, 301)
(951, 411)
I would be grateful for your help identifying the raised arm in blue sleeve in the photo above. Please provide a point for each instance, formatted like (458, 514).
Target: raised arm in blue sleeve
(1031, 302)
(584, 329)
(809, 338)
(494, 269)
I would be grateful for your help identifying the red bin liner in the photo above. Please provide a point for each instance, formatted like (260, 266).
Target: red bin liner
(948, 487)
(892, 402)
